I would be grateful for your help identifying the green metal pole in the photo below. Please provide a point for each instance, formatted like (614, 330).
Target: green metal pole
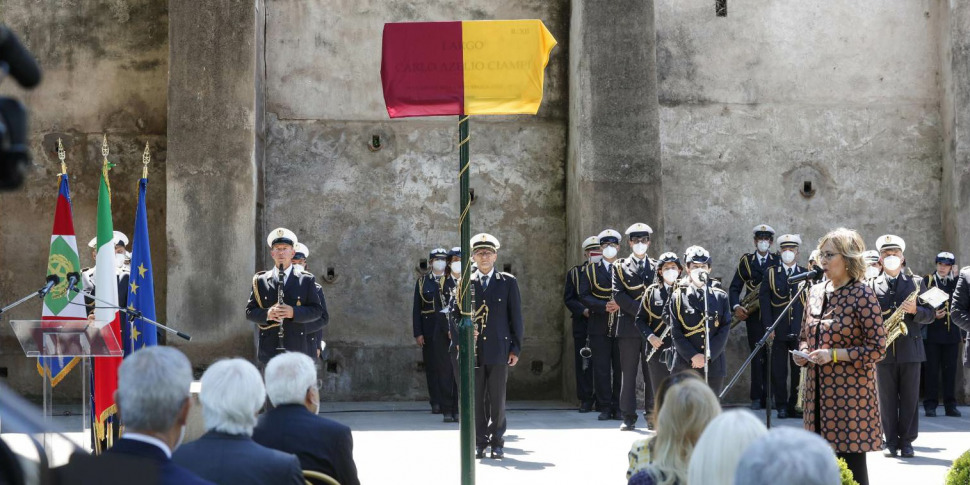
(466, 357)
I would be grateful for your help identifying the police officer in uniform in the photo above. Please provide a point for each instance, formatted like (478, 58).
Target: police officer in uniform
(580, 316)
(448, 369)
(597, 293)
(775, 294)
(897, 375)
(687, 320)
(314, 330)
(942, 343)
(632, 275)
(430, 323)
(497, 311)
(873, 267)
(301, 302)
(87, 274)
(748, 275)
(652, 319)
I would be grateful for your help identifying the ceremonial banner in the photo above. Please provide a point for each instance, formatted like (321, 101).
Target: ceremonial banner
(141, 286)
(62, 303)
(106, 287)
(485, 67)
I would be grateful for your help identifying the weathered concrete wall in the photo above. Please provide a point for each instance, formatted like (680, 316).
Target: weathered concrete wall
(955, 111)
(212, 175)
(754, 105)
(371, 216)
(104, 71)
(614, 165)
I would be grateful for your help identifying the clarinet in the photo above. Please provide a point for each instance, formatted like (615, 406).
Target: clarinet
(279, 292)
(663, 318)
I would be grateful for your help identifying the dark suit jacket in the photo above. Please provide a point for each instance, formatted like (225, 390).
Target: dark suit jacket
(503, 325)
(429, 299)
(595, 289)
(128, 461)
(749, 274)
(960, 308)
(686, 311)
(906, 348)
(300, 292)
(572, 300)
(775, 294)
(630, 283)
(942, 330)
(655, 305)
(237, 460)
(321, 444)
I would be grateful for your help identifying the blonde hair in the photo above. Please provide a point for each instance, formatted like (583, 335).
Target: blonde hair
(850, 245)
(720, 447)
(688, 406)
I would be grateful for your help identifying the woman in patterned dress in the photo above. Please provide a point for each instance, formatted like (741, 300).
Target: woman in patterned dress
(844, 336)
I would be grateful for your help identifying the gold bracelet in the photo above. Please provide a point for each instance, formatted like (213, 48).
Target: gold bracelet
(835, 357)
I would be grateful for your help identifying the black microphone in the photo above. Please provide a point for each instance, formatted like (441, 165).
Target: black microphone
(809, 275)
(52, 281)
(72, 279)
(703, 276)
(20, 62)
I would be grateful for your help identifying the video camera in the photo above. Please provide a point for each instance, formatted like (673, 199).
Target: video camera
(16, 61)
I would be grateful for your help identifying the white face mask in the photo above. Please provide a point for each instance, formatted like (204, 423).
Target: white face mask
(787, 256)
(640, 249)
(670, 275)
(439, 265)
(763, 245)
(695, 276)
(299, 268)
(119, 260)
(892, 263)
(596, 259)
(456, 267)
(871, 272)
(609, 252)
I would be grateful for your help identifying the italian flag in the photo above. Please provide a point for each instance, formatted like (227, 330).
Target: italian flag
(106, 310)
(62, 303)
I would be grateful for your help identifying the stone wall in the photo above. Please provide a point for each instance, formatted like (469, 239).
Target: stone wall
(105, 70)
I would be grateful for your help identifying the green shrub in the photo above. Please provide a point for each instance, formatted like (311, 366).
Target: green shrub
(845, 473)
(959, 473)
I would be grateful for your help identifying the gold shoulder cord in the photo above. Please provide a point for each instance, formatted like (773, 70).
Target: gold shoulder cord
(619, 271)
(574, 275)
(259, 300)
(774, 290)
(688, 330)
(604, 293)
(646, 298)
(423, 300)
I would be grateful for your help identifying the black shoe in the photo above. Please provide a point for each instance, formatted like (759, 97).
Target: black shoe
(891, 451)
(907, 451)
(450, 418)
(480, 452)
(585, 407)
(498, 453)
(615, 416)
(930, 412)
(628, 425)
(604, 416)
(794, 413)
(953, 412)
(756, 405)
(782, 413)
(435, 409)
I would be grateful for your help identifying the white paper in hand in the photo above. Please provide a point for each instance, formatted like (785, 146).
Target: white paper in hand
(934, 297)
(799, 353)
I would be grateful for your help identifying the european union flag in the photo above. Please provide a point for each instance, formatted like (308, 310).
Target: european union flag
(141, 286)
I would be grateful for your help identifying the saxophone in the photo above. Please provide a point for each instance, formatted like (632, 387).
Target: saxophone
(895, 326)
(750, 303)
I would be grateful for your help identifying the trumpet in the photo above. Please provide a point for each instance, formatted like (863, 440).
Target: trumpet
(750, 303)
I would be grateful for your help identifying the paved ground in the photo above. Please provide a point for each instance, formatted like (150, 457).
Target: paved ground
(550, 443)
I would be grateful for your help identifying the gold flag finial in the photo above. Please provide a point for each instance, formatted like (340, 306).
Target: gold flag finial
(61, 156)
(104, 146)
(146, 158)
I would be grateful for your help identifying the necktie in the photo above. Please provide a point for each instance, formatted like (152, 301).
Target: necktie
(485, 283)
(790, 271)
(640, 267)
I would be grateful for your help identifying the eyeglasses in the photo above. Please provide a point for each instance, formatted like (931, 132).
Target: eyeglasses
(484, 253)
(644, 239)
(828, 256)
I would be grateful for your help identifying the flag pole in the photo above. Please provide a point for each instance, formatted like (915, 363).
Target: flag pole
(466, 364)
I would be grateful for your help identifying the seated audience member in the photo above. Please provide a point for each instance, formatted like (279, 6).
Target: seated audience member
(153, 401)
(293, 426)
(688, 404)
(717, 452)
(791, 456)
(232, 394)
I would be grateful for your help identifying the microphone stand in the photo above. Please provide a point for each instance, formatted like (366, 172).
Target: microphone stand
(707, 330)
(802, 286)
(39, 293)
(135, 314)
